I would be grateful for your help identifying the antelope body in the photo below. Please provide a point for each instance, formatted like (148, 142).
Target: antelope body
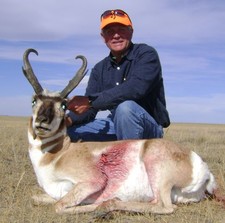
(133, 175)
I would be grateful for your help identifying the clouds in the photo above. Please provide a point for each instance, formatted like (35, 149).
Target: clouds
(188, 35)
(198, 109)
(41, 20)
(167, 22)
(48, 20)
(183, 22)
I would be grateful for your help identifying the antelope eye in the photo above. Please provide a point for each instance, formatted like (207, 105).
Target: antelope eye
(64, 106)
(34, 102)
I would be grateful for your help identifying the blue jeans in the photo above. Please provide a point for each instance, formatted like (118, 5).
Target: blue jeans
(127, 121)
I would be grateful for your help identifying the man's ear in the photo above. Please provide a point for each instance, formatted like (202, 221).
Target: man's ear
(131, 30)
(103, 37)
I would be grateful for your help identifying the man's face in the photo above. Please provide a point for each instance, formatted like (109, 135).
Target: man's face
(117, 37)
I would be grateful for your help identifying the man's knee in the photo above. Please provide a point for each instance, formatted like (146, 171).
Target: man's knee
(125, 108)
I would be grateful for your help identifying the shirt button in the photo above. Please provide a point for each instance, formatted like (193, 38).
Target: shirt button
(117, 83)
(118, 68)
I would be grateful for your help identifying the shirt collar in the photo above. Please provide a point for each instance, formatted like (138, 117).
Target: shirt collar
(128, 55)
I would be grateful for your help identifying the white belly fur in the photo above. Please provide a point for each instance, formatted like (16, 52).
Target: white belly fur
(136, 187)
(53, 185)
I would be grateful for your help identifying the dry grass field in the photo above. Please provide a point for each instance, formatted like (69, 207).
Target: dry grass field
(18, 182)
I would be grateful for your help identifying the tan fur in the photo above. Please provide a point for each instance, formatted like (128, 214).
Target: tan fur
(105, 176)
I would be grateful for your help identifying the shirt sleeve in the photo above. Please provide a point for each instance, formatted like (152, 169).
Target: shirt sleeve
(83, 118)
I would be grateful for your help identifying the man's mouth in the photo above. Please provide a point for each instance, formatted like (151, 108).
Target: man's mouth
(117, 42)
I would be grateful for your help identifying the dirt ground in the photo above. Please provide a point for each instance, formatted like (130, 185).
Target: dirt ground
(18, 182)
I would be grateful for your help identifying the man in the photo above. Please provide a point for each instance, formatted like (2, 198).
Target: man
(128, 83)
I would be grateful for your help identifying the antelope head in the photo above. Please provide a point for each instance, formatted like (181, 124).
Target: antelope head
(49, 108)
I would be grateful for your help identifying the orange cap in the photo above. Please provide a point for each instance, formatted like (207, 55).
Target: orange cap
(115, 16)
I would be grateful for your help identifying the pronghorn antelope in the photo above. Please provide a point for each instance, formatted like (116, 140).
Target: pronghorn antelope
(132, 175)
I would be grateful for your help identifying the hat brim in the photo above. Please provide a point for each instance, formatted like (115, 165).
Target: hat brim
(115, 19)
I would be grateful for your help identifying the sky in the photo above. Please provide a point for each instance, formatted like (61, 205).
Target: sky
(189, 36)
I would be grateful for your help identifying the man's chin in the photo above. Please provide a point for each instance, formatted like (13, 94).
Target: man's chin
(118, 50)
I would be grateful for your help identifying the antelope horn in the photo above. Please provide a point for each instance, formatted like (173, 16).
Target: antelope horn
(28, 72)
(76, 79)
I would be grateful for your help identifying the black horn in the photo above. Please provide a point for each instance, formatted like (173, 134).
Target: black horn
(28, 71)
(76, 79)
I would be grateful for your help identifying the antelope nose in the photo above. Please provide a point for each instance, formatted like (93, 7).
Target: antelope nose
(42, 118)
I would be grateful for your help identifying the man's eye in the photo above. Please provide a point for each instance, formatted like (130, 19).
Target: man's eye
(122, 30)
(109, 32)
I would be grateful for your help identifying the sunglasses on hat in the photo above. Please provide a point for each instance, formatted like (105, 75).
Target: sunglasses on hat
(116, 12)
(115, 16)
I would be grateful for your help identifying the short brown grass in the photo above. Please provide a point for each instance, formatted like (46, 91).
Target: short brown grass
(18, 182)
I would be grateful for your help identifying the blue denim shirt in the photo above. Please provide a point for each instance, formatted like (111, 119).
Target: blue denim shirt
(137, 77)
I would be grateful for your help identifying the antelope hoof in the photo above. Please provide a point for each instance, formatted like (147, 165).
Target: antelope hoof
(42, 199)
(60, 207)
(162, 210)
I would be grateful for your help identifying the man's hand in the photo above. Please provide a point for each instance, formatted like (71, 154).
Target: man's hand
(79, 104)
